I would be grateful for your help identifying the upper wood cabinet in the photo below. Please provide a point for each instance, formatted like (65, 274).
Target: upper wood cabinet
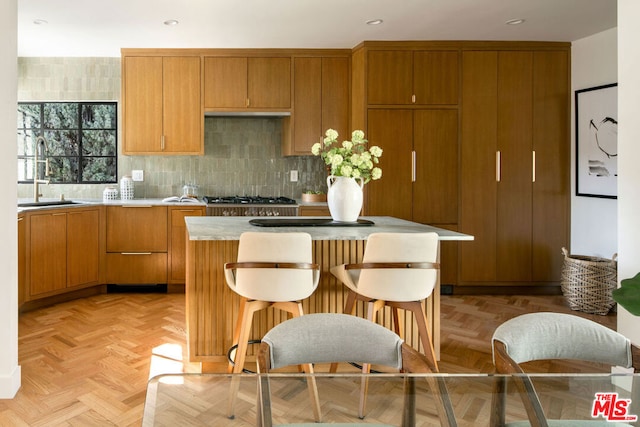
(247, 83)
(514, 166)
(404, 77)
(321, 101)
(162, 105)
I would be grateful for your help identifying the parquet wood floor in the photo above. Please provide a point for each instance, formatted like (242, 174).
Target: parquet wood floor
(87, 362)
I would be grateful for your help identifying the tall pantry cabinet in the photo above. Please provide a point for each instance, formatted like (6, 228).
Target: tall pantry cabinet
(514, 163)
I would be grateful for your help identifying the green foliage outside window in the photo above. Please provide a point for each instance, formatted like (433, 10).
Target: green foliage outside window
(81, 140)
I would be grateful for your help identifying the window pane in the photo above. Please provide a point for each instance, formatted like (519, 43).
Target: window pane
(61, 115)
(99, 143)
(62, 143)
(28, 116)
(25, 169)
(99, 169)
(63, 169)
(25, 142)
(98, 116)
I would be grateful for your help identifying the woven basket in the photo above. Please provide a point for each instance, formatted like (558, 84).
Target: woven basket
(587, 282)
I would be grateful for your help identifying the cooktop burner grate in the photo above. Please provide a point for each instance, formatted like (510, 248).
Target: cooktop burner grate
(249, 200)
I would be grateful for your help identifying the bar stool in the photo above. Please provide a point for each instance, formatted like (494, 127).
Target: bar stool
(398, 270)
(272, 270)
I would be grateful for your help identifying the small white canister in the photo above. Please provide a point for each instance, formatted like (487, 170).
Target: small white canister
(110, 193)
(126, 188)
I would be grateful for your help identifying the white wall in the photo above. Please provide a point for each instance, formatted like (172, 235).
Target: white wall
(629, 154)
(594, 222)
(9, 368)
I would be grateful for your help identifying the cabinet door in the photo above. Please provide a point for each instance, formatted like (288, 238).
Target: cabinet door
(478, 189)
(321, 101)
(269, 83)
(182, 123)
(335, 95)
(391, 130)
(22, 260)
(435, 77)
(47, 253)
(225, 82)
(435, 190)
(307, 101)
(389, 77)
(513, 250)
(137, 229)
(142, 85)
(82, 247)
(177, 257)
(551, 143)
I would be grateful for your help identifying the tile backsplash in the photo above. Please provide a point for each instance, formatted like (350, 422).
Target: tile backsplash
(242, 154)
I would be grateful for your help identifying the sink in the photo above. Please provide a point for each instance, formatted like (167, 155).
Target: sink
(47, 203)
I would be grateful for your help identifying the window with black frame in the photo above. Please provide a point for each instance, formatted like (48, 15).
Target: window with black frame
(81, 141)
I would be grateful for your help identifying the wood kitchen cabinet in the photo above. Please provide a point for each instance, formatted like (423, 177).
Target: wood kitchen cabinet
(514, 166)
(420, 171)
(178, 242)
(162, 105)
(407, 77)
(63, 250)
(137, 244)
(22, 259)
(321, 101)
(232, 83)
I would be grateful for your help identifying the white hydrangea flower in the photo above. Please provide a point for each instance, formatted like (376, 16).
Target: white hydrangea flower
(346, 170)
(357, 135)
(315, 148)
(376, 173)
(376, 151)
(356, 173)
(331, 134)
(347, 145)
(336, 160)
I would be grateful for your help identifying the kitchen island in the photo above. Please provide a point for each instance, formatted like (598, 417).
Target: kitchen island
(212, 308)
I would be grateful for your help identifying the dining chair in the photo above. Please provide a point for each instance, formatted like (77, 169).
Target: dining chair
(335, 337)
(398, 270)
(273, 269)
(551, 336)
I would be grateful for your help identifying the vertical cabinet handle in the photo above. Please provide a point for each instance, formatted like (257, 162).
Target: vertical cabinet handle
(248, 102)
(413, 166)
(413, 99)
(498, 165)
(162, 143)
(533, 166)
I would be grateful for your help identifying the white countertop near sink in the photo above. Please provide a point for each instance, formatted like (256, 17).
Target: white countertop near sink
(84, 202)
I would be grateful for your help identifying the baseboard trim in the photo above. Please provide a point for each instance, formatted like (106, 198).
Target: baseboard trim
(10, 384)
(505, 290)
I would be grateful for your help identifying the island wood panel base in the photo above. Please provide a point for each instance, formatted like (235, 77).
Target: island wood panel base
(212, 308)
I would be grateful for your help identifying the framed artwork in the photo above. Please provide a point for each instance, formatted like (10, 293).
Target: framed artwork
(597, 141)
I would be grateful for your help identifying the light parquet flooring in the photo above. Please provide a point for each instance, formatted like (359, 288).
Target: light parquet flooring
(87, 362)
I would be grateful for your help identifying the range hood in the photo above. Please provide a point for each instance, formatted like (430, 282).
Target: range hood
(247, 113)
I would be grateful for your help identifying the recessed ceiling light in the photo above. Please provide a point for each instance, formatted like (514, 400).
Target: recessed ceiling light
(40, 22)
(374, 22)
(171, 22)
(514, 21)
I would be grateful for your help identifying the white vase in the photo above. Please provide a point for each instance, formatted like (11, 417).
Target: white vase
(344, 197)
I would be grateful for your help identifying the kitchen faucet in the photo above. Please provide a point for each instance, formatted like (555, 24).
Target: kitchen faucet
(40, 142)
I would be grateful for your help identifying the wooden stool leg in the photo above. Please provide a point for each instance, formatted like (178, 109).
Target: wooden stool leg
(373, 306)
(425, 338)
(250, 307)
(295, 308)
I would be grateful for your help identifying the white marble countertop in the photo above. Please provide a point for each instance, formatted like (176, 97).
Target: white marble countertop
(230, 228)
(78, 203)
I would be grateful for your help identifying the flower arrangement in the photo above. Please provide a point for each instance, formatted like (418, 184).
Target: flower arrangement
(352, 159)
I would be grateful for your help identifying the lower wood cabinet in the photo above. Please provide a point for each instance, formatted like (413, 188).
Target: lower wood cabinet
(313, 211)
(178, 241)
(136, 244)
(63, 251)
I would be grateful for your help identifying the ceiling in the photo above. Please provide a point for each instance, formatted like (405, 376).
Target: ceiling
(101, 28)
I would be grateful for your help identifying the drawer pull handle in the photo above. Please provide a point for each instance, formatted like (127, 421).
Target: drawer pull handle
(136, 253)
